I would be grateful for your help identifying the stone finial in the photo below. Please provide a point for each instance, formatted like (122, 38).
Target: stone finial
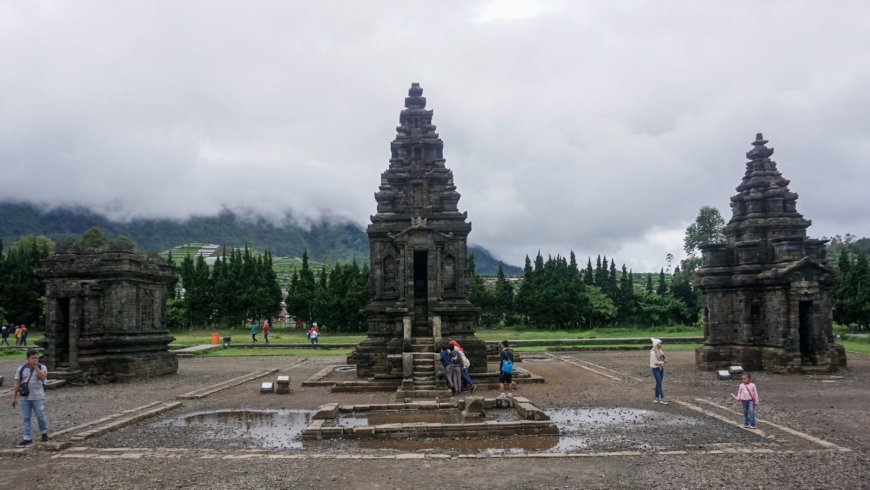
(415, 99)
(759, 151)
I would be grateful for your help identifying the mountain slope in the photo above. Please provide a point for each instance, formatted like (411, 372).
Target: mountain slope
(325, 241)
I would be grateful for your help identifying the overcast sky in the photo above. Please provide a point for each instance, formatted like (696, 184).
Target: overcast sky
(599, 127)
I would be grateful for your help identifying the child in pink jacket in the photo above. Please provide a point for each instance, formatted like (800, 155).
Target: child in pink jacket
(747, 394)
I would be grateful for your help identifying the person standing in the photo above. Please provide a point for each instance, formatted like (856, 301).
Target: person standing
(657, 365)
(32, 375)
(444, 356)
(505, 368)
(455, 368)
(254, 330)
(23, 335)
(313, 334)
(467, 382)
(266, 330)
(17, 335)
(747, 394)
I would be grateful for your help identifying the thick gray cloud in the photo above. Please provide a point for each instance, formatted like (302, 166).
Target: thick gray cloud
(598, 127)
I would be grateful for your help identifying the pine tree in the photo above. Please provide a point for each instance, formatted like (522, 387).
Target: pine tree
(662, 288)
(588, 276)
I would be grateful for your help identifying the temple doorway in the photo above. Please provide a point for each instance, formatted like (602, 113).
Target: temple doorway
(62, 339)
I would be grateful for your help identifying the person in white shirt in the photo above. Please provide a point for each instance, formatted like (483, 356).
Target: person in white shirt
(657, 365)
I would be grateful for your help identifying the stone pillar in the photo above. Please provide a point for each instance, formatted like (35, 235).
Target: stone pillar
(436, 332)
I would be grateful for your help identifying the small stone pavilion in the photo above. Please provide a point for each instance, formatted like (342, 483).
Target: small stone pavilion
(105, 312)
(418, 287)
(767, 291)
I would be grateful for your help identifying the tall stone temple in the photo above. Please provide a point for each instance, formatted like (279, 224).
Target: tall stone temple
(766, 292)
(418, 286)
(105, 313)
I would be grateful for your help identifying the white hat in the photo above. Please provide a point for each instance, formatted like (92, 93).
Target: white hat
(656, 341)
(315, 324)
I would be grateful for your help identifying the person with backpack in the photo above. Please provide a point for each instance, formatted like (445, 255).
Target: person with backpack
(23, 335)
(266, 330)
(29, 385)
(455, 372)
(505, 368)
(254, 331)
(4, 332)
(467, 382)
(444, 356)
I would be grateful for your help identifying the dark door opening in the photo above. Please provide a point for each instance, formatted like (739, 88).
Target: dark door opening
(805, 330)
(62, 333)
(421, 276)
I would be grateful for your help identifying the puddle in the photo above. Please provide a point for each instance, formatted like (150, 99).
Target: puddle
(422, 416)
(345, 369)
(585, 428)
(280, 429)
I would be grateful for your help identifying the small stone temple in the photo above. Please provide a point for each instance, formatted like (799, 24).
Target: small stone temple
(418, 286)
(105, 312)
(766, 292)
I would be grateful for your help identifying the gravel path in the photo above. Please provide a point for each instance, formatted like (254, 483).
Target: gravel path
(834, 408)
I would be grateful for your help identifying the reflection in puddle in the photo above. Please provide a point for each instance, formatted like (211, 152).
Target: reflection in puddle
(516, 445)
(422, 416)
(266, 428)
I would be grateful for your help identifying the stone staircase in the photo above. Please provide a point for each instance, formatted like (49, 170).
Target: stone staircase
(423, 382)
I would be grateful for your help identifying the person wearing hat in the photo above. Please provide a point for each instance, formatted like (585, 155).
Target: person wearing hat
(657, 365)
(312, 335)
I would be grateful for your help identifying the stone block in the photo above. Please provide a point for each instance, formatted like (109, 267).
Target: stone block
(326, 411)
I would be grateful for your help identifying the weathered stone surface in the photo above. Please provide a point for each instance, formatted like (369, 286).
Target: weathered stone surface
(418, 287)
(473, 407)
(766, 292)
(105, 312)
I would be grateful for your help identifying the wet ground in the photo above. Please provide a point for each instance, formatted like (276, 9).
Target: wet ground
(602, 421)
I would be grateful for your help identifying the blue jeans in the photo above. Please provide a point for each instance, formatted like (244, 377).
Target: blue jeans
(659, 375)
(28, 406)
(313, 342)
(748, 412)
(466, 378)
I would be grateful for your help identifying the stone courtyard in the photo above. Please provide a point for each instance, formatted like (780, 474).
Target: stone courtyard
(813, 431)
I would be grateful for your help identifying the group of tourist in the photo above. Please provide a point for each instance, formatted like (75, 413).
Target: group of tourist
(456, 365)
(747, 392)
(313, 332)
(20, 332)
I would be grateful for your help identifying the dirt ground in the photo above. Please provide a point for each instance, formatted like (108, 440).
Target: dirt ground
(820, 438)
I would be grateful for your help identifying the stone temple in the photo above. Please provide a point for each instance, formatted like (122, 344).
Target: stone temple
(418, 285)
(105, 313)
(766, 292)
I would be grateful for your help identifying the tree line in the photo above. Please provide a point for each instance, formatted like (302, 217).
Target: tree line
(556, 294)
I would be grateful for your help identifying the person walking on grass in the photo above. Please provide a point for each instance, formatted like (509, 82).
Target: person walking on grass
(4, 333)
(313, 334)
(29, 386)
(747, 394)
(24, 335)
(254, 330)
(657, 362)
(266, 330)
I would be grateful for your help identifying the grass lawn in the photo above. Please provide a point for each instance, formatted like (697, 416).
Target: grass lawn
(275, 351)
(600, 333)
(196, 337)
